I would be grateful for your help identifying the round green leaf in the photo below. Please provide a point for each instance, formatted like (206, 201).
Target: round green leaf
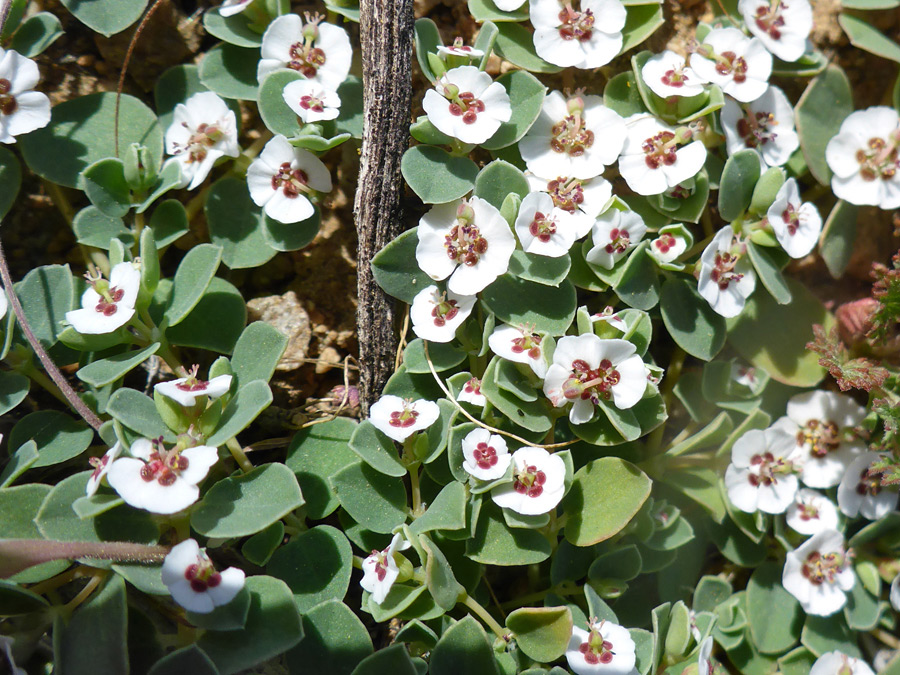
(316, 565)
(230, 71)
(691, 322)
(36, 34)
(486, 10)
(59, 437)
(526, 96)
(498, 180)
(275, 112)
(46, 294)
(233, 29)
(774, 614)
(737, 183)
(377, 450)
(495, 543)
(516, 44)
(216, 322)
(463, 648)
(396, 270)
(436, 175)
(236, 224)
(105, 185)
(101, 622)
(92, 227)
(375, 501)
(515, 301)
(20, 505)
(334, 641)
(106, 16)
(541, 632)
(291, 236)
(13, 390)
(827, 101)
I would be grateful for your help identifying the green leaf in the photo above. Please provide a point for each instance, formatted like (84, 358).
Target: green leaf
(169, 178)
(486, 10)
(766, 190)
(259, 548)
(20, 461)
(447, 511)
(428, 39)
(686, 210)
(534, 415)
(233, 29)
(291, 236)
(425, 132)
(822, 634)
(231, 616)
(230, 71)
(640, 23)
(865, 36)
(257, 352)
(495, 543)
(375, 501)
(236, 225)
(106, 16)
(539, 268)
(10, 180)
(168, 222)
(542, 633)
(189, 659)
(250, 400)
(638, 284)
(838, 237)
(350, 117)
(216, 322)
(274, 110)
(79, 133)
(36, 33)
(516, 45)
(604, 497)
(59, 437)
(774, 615)
(499, 179)
(463, 648)
(92, 227)
(192, 278)
(393, 659)
(691, 322)
(862, 610)
(316, 565)
(100, 622)
(15, 601)
(396, 270)
(105, 185)
(444, 356)
(516, 301)
(138, 413)
(439, 579)
(435, 175)
(13, 390)
(736, 185)
(621, 95)
(334, 641)
(106, 371)
(20, 506)
(46, 294)
(526, 96)
(376, 450)
(769, 273)
(710, 592)
(827, 101)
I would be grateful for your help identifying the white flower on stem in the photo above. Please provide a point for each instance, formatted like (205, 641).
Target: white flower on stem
(811, 512)
(471, 392)
(614, 234)
(606, 649)
(459, 48)
(520, 345)
(797, 224)
(895, 593)
(107, 305)
(485, 455)
(672, 241)
(668, 74)
(838, 663)
(160, 480)
(466, 240)
(203, 129)
(101, 468)
(657, 157)
(547, 230)
(318, 51)
(612, 318)
(782, 26)
(588, 37)
(436, 314)
(576, 137)
(765, 125)
(762, 474)
(282, 179)
(467, 104)
(739, 65)
(864, 158)
(21, 109)
(861, 492)
(726, 277)
(194, 582)
(819, 574)
(587, 368)
(380, 570)
(399, 418)
(705, 665)
(232, 7)
(574, 195)
(509, 5)
(538, 483)
(745, 376)
(311, 101)
(185, 390)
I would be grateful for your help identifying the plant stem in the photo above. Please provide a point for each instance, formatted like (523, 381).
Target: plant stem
(416, 491)
(472, 604)
(86, 592)
(239, 456)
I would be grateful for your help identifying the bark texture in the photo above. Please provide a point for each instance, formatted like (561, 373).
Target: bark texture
(386, 34)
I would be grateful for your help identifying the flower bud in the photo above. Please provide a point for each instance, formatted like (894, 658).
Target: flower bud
(140, 168)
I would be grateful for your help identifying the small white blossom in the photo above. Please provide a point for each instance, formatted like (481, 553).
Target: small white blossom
(547, 230)
(485, 455)
(185, 390)
(614, 234)
(467, 104)
(611, 318)
(509, 5)
(745, 376)
(864, 158)
(818, 573)
(895, 593)
(672, 241)
(160, 480)
(811, 512)
(311, 101)
(101, 468)
(436, 314)
(459, 48)
(861, 492)
(399, 419)
(466, 240)
(203, 129)
(107, 305)
(739, 65)
(232, 7)
(194, 582)
(471, 392)
(587, 368)
(607, 649)
(838, 663)
(282, 179)
(380, 570)
(782, 26)
(22, 110)
(521, 345)
(574, 195)
(765, 125)
(762, 474)
(797, 224)
(588, 37)
(318, 51)
(657, 157)
(705, 665)
(576, 138)
(726, 277)
(667, 75)
(538, 483)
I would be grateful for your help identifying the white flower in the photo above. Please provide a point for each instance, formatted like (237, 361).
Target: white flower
(160, 480)
(380, 570)
(232, 7)
(586, 369)
(101, 468)
(611, 318)
(782, 26)
(547, 230)
(283, 177)
(509, 5)
(738, 64)
(467, 104)
(606, 650)
(672, 242)
(574, 195)
(538, 483)
(399, 419)
(466, 240)
(797, 224)
(471, 392)
(656, 157)
(838, 663)
(21, 109)
(667, 75)
(486, 455)
(765, 125)
(614, 234)
(895, 593)
(744, 376)
(4, 303)
(811, 512)
(587, 38)
(318, 51)
(762, 474)
(726, 276)
(459, 48)
(818, 573)
(436, 314)
(521, 345)
(861, 492)
(185, 390)
(194, 582)
(311, 101)
(864, 158)
(107, 305)
(203, 129)
(704, 665)
(576, 138)
(6, 644)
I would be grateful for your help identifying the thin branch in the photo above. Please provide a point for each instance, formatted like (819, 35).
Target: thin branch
(4, 13)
